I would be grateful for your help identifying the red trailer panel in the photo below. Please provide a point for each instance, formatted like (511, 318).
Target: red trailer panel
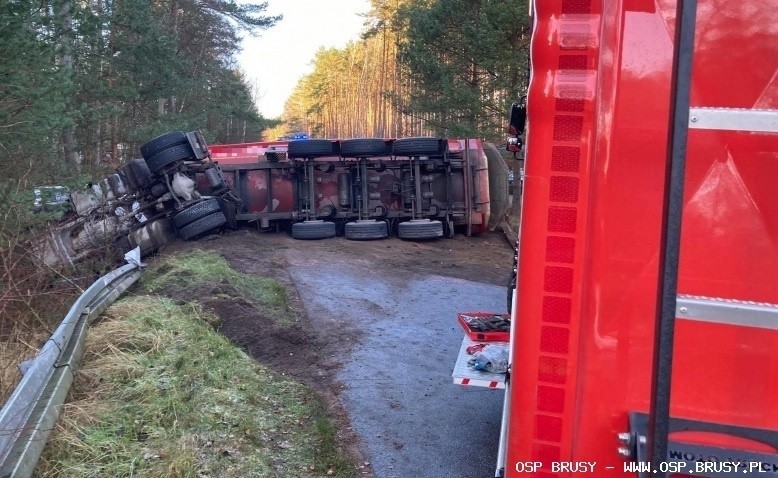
(271, 187)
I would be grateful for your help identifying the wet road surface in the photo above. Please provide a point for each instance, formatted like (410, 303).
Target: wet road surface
(411, 418)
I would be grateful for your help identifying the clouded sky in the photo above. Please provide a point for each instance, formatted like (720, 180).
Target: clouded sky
(280, 56)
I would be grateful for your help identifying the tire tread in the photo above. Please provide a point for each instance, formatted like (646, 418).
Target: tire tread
(365, 231)
(313, 230)
(202, 225)
(163, 142)
(362, 147)
(420, 230)
(419, 146)
(169, 156)
(311, 148)
(195, 212)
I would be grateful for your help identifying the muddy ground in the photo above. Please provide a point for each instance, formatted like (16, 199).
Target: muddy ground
(321, 277)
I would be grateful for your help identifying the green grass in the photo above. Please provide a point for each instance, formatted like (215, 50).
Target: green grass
(197, 267)
(160, 394)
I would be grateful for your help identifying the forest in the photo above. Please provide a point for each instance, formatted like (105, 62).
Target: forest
(422, 67)
(84, 83)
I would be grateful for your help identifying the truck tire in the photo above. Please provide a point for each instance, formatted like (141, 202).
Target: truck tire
(420, 229)
(202, 226)
(363, 148)
(168, 157)
(137, 173)
(195, 212)
(163, 142)
(421, 146)
(366, 230)
(313, 230)
(311, 148)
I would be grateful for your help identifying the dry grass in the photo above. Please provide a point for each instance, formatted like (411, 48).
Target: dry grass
(34, 298)
(33, 301)
(14, 350)
(160, 394)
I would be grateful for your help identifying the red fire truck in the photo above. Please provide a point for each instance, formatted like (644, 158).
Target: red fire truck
(645, 327)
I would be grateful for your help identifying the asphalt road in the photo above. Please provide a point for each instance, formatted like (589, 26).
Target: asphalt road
(398, 391)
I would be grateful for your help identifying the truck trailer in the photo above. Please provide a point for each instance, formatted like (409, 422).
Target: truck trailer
(418, 188)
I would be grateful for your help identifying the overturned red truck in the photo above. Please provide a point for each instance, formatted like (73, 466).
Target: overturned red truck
(364, 189)
(645, 328)
(420, 188)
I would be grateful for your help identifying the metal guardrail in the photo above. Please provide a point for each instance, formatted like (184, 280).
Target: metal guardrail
(29, 415)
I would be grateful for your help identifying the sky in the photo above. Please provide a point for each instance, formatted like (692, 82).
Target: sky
(281, 55)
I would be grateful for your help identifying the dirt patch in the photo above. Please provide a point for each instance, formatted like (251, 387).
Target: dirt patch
(308, 353)
(302, 350)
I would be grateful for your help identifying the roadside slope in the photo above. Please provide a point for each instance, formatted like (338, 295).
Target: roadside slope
(161, 393)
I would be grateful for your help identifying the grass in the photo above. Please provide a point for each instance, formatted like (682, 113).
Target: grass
(14, 350)
(196, 268)
(160, 394)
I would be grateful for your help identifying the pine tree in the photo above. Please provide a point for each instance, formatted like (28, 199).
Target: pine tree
(464, 57)
(32, 97)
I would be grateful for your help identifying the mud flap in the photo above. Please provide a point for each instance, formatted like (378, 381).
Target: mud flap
(230, 210)
(498, 185)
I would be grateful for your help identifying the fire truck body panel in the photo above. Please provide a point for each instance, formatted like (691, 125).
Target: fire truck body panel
(598, 106)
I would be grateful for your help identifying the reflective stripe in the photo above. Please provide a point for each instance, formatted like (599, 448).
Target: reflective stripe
(734, 119)
(727, 311)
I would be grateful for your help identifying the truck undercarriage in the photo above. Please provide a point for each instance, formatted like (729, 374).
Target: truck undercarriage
(365, 189)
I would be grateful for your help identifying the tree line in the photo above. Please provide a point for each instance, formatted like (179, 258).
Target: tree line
(422, 67)
(84, 83)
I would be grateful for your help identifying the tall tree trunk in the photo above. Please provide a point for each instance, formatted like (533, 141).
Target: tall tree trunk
(100, 47)
(66, 64)
(174, 26)
(114, 159)
(380, 100)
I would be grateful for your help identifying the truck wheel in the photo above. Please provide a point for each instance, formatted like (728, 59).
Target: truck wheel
(313, 230)
(137, 173)
(363, 147)
(421, 146)
(420, 229)
(366, 230)
(169, 156)
(163, 142)
(311, 148)
(202, 225)
(195, 212)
